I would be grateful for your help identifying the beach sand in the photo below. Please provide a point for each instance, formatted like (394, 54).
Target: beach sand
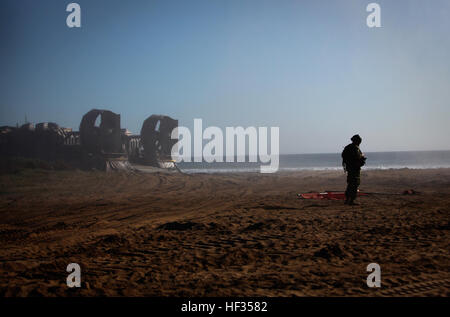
(243, 234)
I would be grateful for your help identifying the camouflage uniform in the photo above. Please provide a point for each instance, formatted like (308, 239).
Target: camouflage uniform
(352, 160)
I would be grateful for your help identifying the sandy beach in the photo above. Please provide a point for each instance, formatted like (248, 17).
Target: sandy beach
(245, 234)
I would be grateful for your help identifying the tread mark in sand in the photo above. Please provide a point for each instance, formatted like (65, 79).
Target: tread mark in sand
(419, 288)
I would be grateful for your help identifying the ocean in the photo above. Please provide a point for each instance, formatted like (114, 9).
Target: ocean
(330, 161)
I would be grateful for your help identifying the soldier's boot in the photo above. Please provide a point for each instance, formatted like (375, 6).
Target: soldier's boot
(347, 197)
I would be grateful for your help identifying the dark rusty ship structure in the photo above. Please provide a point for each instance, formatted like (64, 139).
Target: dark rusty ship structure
(100, 143)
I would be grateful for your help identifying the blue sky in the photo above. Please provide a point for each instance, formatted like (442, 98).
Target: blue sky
(312, 68)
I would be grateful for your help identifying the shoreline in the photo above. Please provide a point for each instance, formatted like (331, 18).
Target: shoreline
(214, 171)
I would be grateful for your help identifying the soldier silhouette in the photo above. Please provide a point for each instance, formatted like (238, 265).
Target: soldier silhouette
(352, 160)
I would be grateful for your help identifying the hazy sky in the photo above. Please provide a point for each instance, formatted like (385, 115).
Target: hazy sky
(313, 68)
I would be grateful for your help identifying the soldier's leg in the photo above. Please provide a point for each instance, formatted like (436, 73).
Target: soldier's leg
(353, 180)
(356, 180)
(352, 190)
(348, 190)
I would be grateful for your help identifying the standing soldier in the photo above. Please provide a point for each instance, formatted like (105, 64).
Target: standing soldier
(352, 160)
